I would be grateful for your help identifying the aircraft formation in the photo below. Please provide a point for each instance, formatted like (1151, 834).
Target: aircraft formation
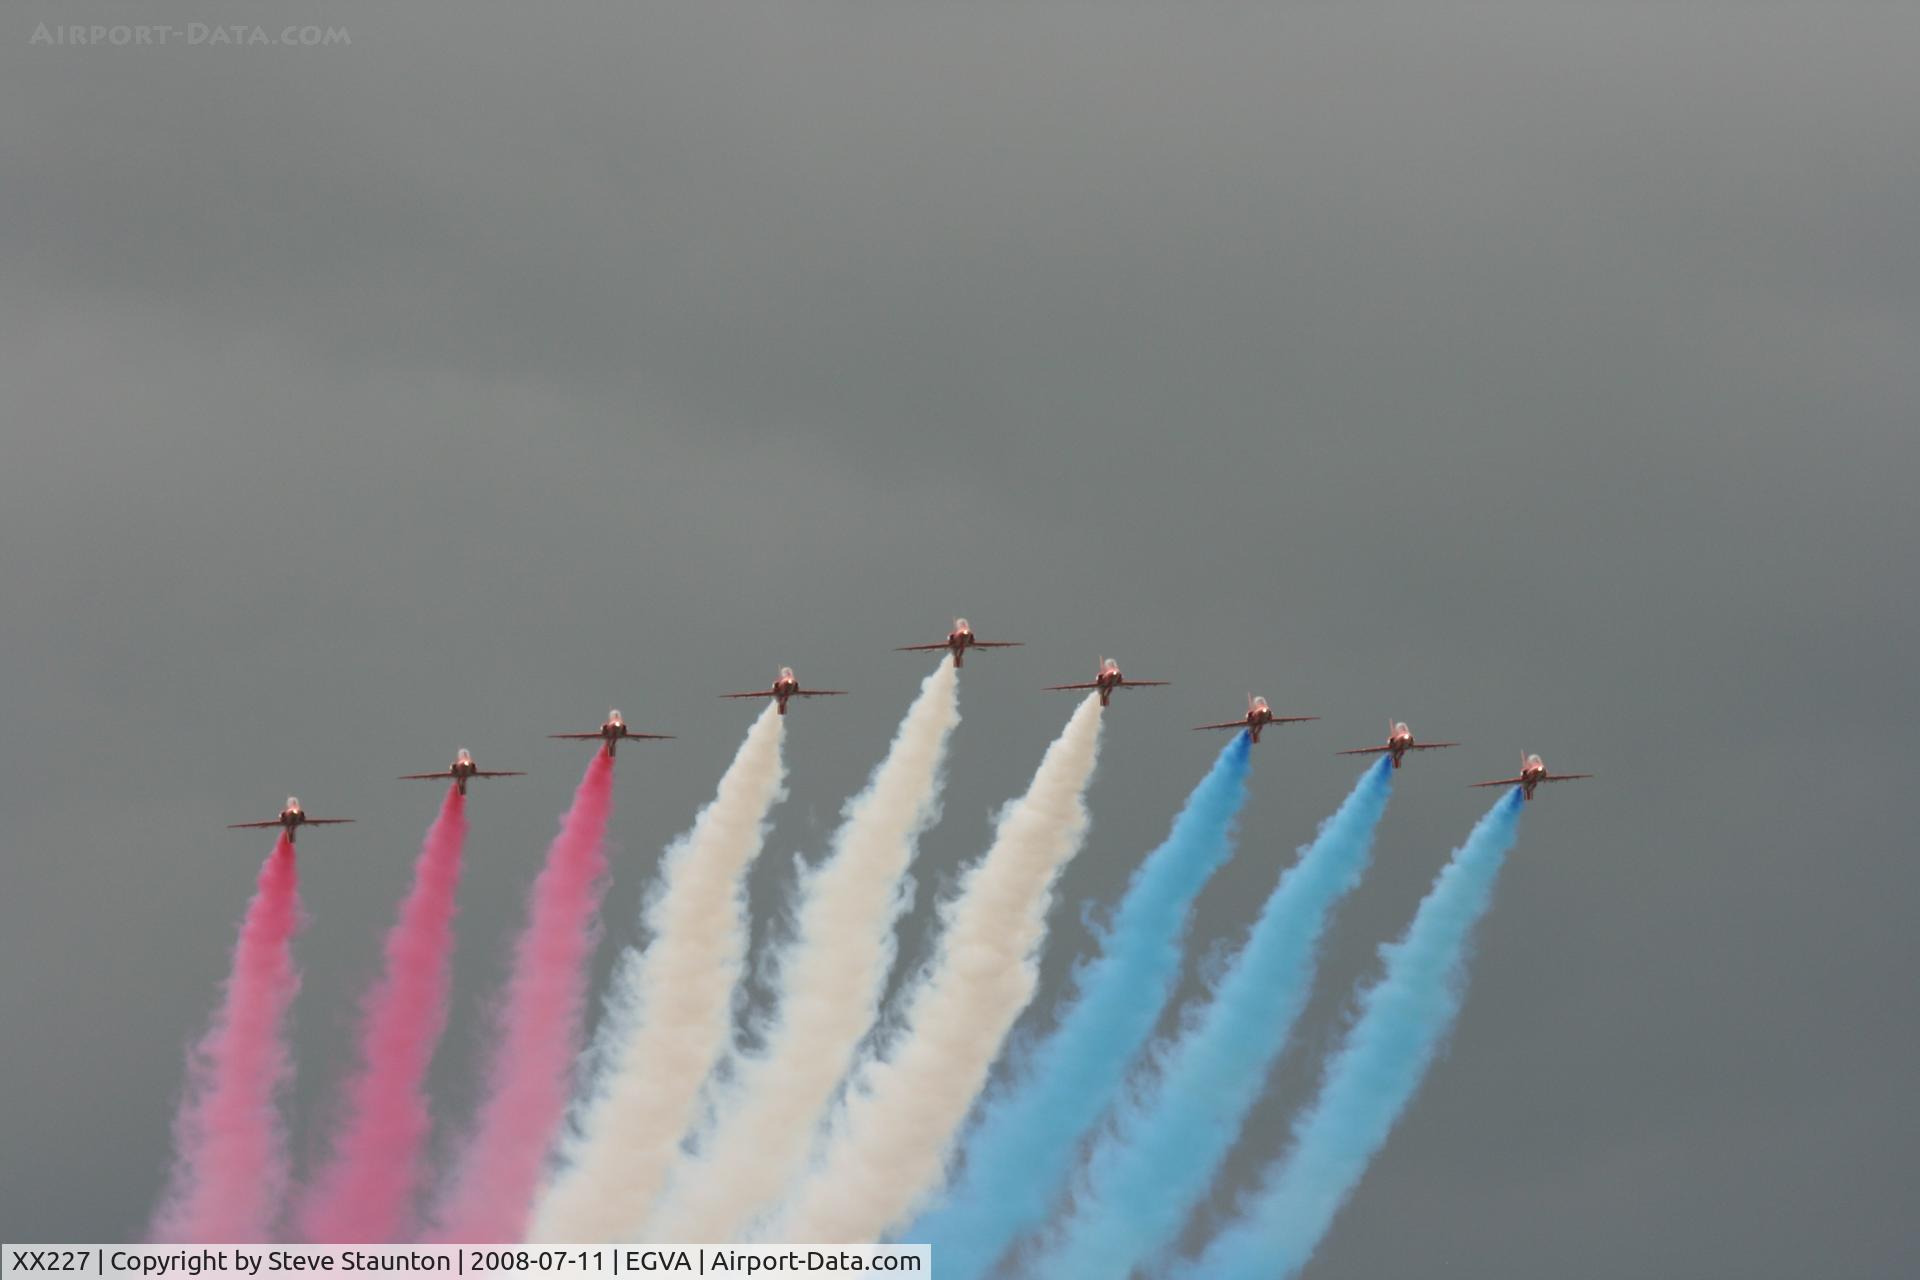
(786, 686)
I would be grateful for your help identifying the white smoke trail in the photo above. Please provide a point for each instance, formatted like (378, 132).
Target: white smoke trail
(669, 1012)
(831, 975)
(891, 1137)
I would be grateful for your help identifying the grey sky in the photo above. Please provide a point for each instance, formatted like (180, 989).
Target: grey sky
(1544, 375)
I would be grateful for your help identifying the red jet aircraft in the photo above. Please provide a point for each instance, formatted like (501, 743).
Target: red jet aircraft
(1399, 742)
(787, 686)
(1259, 716)
(958, 641)
(1533, 772)
(612, 732)
(291, 819)
(462, 769)
(1108, 679)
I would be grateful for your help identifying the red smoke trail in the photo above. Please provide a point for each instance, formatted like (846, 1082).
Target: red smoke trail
(490, 1194)
(230, 1149)
(364, 1193)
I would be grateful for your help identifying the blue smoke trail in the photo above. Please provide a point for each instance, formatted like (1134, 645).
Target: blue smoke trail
(1149, 1171)
(1022, 1148)
(1404, 1017)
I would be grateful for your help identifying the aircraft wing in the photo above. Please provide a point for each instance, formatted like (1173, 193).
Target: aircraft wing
(1143, 683)
(1224, 724)
(491, 773)
(906, 648)
(1365, 751)
(757, 693)
(231, 826)
(1563, 777)
(426, 777)
(657, 737)
(323, 822)
(1087, 685)
(1498, 782)
(1430, 746)
(818, 693)
(1291, 719)
(573, 735)
(991, 644)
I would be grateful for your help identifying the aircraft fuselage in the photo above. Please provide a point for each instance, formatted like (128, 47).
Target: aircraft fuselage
(784, 688)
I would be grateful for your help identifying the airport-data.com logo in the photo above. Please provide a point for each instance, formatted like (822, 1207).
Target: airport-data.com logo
(191, 34)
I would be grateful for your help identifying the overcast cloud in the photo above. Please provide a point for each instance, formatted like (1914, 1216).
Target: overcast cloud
(1544, 375)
